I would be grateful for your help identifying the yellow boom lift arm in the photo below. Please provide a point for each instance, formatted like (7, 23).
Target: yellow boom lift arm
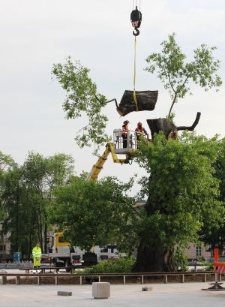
(114, 148)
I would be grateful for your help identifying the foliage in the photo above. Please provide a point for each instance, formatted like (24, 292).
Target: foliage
(185, 175)
(82, 100)
(183, 193)
(11, 194)
(47, 173)
(6, 164)
(113, 265)
(176, 73)
(26, 194)
(216, 237)
(95, 213)
(180, 261)
(208, 266)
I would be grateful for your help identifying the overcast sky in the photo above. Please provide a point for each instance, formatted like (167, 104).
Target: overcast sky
(35, 34)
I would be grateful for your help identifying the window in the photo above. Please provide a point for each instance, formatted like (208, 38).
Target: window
(2, 248)
(198, 251)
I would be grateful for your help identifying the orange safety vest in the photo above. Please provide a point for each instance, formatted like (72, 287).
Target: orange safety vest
(140, 130)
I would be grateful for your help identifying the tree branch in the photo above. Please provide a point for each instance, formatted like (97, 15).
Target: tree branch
(113, 100)
(191, 128)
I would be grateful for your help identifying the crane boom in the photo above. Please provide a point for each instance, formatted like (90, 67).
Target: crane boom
(96, 169)
(114, 148)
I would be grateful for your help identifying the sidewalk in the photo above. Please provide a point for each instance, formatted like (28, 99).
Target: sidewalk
(161, 295)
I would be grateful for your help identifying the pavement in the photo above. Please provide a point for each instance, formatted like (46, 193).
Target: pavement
(157, 295)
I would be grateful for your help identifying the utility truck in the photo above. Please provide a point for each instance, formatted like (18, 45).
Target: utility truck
(62, 254)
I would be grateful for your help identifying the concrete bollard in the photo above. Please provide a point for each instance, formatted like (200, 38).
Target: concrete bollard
(101, 289)
(147, 289)
(3, 280)
(64, 293)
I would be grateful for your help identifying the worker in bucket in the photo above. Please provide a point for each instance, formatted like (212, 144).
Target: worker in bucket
(140, 130)
(124, 133)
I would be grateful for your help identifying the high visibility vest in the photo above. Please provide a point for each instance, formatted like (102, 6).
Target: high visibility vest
(36, 252)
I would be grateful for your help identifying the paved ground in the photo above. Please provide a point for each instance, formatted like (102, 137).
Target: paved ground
(161, 295)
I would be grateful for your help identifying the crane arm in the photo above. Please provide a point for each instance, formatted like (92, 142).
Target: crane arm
(96, 169)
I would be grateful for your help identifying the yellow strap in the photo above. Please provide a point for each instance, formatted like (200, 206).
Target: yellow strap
(134, 92)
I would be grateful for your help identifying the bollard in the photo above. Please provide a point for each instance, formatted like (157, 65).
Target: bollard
(101, 290)
(64, 293)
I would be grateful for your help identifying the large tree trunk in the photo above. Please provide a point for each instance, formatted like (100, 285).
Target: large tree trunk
(152, 259)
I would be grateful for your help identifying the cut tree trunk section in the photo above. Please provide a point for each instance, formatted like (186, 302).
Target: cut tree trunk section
(145, 101)
(168, 128)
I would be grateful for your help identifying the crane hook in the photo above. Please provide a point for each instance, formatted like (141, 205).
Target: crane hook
(136, 19)
(137, 32)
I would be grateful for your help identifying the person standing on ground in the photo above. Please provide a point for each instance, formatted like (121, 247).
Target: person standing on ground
(36, 253)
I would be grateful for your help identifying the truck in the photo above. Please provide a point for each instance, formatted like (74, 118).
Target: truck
(62, 254)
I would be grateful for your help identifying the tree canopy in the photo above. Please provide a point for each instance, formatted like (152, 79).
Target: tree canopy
(83, 100)
(182, 189)
(176, 73)
(183, 197)
(26, 193)
(95, 213)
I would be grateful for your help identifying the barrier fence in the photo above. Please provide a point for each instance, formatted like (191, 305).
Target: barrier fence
(117, 278)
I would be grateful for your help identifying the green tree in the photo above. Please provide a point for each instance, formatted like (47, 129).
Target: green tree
(11, 198)
(82, 100)
(8, 192)
(176, 73)
(216, 237)
(183, 197)
(95, 213)
(6, 164)
(181, 189)
(26, 193)
(40, 176)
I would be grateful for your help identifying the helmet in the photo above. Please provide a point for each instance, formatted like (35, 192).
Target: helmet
(139, 124)
(126, 122)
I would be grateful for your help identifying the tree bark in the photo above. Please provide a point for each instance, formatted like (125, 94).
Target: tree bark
(168, 128)
(149, 259)
(161, 124)
(153, 258)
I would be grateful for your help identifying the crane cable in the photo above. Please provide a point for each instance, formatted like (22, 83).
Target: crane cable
(137, 3)
(134, 79)
(136, 18)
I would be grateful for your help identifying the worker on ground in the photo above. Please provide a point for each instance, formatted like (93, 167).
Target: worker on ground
(125, 132)
(140, 130)
(36, 253)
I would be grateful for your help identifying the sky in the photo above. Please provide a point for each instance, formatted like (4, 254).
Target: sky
(39, 33)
